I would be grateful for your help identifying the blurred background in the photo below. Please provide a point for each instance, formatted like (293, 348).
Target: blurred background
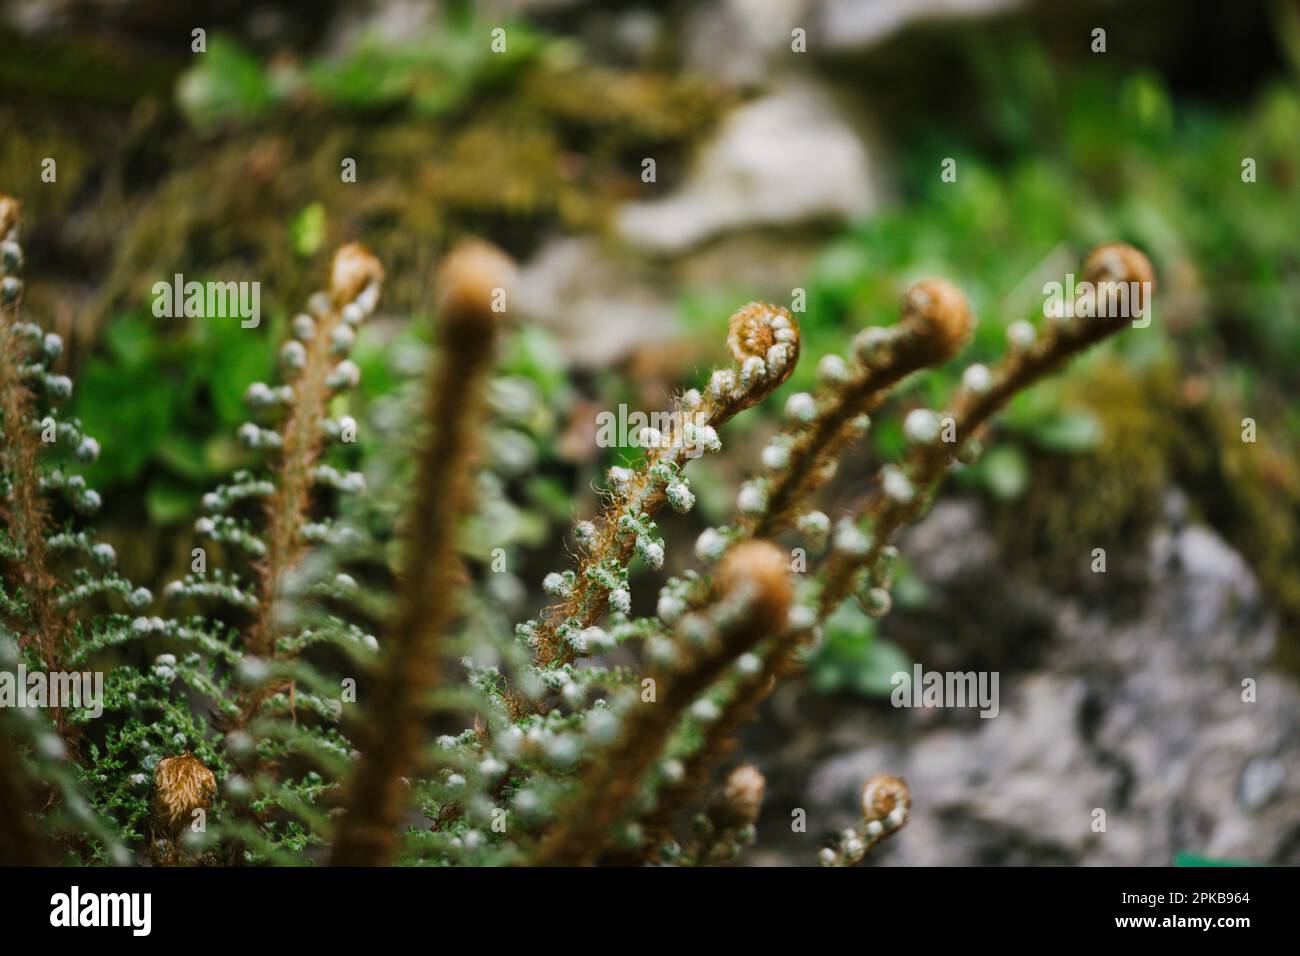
(798, 149)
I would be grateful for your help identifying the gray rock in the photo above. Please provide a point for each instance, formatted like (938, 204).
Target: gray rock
(1261, 781)
(861, 24)
(786, 159)
(1140, 716)
(744, 41)
(600, 304)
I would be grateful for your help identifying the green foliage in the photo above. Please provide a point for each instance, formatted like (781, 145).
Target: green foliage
(1085, 155)
(173, 400)
(226, 83)
(854, 657)
(433, 75)
(270, 726)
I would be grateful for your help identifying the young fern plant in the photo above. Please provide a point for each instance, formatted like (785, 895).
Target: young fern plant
(61, 597)
(278, 712)
(573, 761)
(764, 341)
(886, 804)
(231, 699)
(861, 554)
(55, 570)
(471, 282)
(591, 732)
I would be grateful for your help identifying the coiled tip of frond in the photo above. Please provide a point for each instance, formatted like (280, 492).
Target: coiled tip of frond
(886, 798)
(762, 568)
(182, 784)
(743, 793)
(768, 334)
(937, 310)
(354, 267)
(9, 209)
(1118, 262)
(473, 283)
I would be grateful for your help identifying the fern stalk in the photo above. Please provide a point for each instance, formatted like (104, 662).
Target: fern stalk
(891, 507)
(753, 594)
(351, 271)
(470, 280)
(26, 510)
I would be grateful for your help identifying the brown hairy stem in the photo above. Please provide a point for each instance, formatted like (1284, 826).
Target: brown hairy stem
(935, 323)
(753, 334)
(301, 441)
(719, 738)
(432, 575)
(754, 578)
(926, 463)
(26, 512)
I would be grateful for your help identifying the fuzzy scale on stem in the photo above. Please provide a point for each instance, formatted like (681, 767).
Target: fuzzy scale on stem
(182, 786)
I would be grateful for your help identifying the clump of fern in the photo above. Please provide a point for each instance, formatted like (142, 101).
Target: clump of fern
(61, 597)
(590, 731)
(286, 639)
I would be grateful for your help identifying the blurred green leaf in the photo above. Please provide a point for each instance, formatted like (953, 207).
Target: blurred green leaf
(552, 497)
(853, 657)
(225, 83)
(1071, 432)
(131, 409)
(183, 455)
(874, 677)
(1005, 472)
(230, 358)
(169, 501)
(308, 230)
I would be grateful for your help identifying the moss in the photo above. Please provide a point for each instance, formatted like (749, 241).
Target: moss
(511, 166)
(1157, 431)
(1107, 496)
(30, 137)
(1250, 493)
(626, 108)
(61, 66)
(557, 146)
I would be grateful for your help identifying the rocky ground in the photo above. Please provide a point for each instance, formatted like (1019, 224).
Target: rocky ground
(1133, 707)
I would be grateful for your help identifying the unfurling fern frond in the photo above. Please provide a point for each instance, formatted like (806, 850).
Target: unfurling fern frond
(291, 713)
